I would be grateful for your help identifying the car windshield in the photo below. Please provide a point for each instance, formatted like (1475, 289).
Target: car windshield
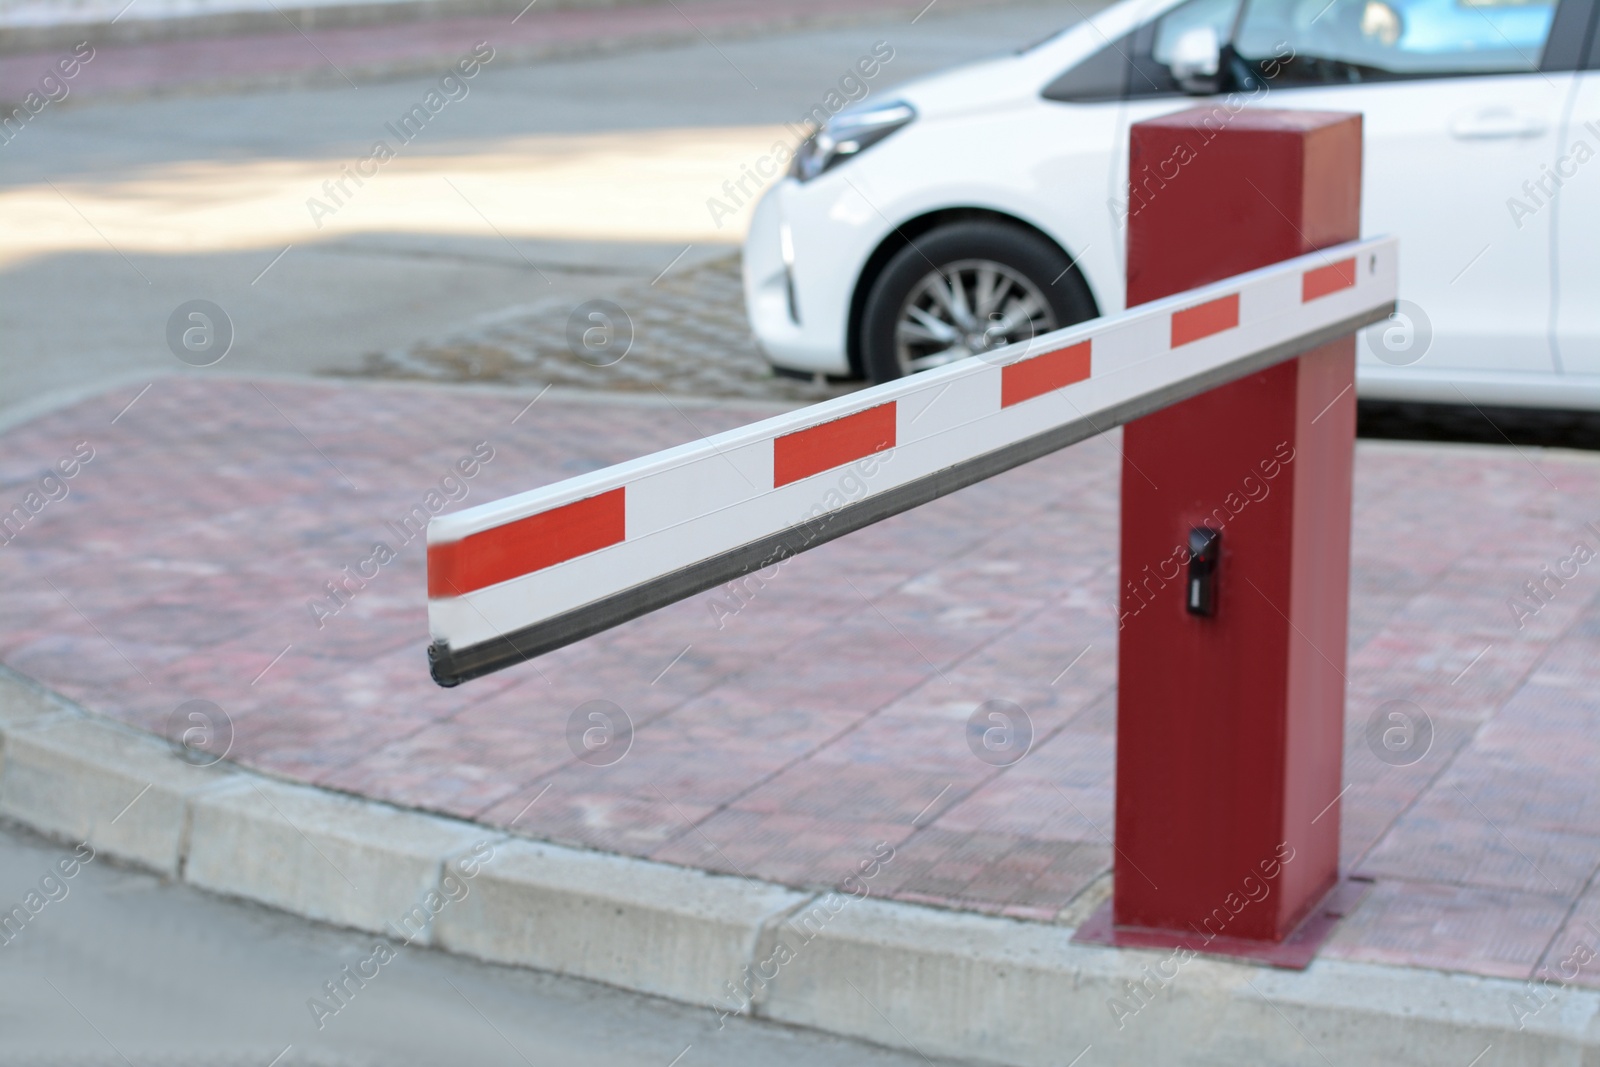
(1359, 40)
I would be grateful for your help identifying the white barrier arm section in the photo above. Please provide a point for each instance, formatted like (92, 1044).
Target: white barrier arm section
(518, 577)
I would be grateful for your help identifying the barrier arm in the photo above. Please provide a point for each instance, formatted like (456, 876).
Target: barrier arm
(515, 578)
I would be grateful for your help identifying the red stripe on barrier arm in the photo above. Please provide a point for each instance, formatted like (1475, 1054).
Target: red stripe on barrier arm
(1203, 320)
(816, 449)
(1037, 375)
(527, 545)
(1329, 279)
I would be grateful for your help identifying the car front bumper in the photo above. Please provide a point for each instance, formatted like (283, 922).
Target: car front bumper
(796, 334)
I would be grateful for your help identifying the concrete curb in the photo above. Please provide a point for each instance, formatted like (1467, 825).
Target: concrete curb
(669, 931)
(937, 982)
(334, 858)
(955, 984)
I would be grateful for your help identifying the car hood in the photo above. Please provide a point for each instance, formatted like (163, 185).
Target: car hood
(984, 86)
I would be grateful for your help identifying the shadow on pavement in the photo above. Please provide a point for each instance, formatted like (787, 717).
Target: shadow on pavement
(1543, 427)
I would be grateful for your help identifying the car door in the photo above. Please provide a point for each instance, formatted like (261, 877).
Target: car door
(1574, 210)
(1462, 109)
(1442, 160)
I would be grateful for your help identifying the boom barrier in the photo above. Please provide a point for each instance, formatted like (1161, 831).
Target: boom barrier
(515, 578)
(1231, 368)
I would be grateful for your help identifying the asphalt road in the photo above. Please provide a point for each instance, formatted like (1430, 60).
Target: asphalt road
(123, 969)
(549, 183)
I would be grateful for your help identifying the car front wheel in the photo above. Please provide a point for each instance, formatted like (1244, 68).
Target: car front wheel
(967, 289)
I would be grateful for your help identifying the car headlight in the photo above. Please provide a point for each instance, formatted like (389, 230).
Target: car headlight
(847, 134)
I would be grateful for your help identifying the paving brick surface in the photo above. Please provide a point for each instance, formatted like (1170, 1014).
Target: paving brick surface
(683, 333)
(785, 730)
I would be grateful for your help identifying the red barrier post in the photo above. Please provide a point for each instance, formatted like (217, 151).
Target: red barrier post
(1230, 724)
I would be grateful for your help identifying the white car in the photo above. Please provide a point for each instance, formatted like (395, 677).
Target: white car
(981, 206)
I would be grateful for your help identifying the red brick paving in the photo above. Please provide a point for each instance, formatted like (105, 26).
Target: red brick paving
(1450, 926)
(828, 714)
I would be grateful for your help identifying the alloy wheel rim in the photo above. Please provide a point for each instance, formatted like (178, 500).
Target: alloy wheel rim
(967, 308)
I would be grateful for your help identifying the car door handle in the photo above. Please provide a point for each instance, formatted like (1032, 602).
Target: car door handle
(1497, 123)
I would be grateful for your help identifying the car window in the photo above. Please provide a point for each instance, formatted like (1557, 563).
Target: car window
(1569, 35)
(1103, 76)
(1589, 50)
(1344, 41)
(1339, 41)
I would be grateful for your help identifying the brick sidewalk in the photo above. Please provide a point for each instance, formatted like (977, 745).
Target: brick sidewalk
(688, 336)
(831, 711)
(363, 53)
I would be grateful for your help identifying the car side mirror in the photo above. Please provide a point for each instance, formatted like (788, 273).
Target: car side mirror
(1196, 63)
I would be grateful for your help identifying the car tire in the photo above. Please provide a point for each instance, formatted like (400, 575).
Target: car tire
(957, 255)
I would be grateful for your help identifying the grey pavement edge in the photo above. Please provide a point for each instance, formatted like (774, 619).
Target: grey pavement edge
(934, 982)
(262, 18)
(267, 17)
